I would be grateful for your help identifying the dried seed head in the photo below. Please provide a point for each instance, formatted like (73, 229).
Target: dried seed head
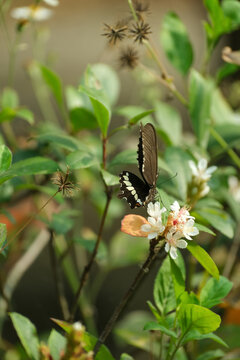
(129, 58)
(141, 8)
(115, 33)
(65, 186)
(140, 31)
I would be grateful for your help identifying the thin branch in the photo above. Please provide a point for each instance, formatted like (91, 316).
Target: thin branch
(88, 267)
(154, 248)
(59, 285)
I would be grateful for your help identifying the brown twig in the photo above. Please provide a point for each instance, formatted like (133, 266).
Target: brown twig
(88, 267)
(154, 248)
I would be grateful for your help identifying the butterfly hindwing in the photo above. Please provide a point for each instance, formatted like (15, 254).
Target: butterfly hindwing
(133, 189)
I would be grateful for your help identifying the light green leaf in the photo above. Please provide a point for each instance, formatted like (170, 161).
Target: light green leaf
(124, 157)
(103, 353)
(203, 258)
(135, 113)
(176, 43)
(200, 98)
(169, 121)
(80, 159)
(154, 311)
(163, 291)
(82, 118)
(54, 83)
(61, 140)
(27, 334)
(177, 161)
(9, 98)
(100, 105)
(126, 357)
(109, 178)
(231, 9)
(214, 291)
(3, 234)
(203, 228)
(56, 343)
(109, 81)
(195, 335)
(191, 316)
(152, 325)
(5, 158)
(219, 219)
(31, 166)
(7, 114)
(25, 114)
(211, 355)
(189, 298)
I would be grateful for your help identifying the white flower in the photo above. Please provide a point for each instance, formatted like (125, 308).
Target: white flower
(34, 12)
(189, 229)
(201, 171)
(52, 2)
(154, 227)
(154, 210)
(78, 326)
(174, 241)
(234, 187)
(181, 214)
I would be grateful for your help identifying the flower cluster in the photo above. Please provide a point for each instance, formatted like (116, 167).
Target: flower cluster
(179, 225)
(33, 12)
(201, 174)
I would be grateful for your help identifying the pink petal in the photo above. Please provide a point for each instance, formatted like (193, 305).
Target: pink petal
(131, 225)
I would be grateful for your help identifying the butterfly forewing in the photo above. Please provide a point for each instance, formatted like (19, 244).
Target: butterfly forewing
(133, 189)
(147, 154)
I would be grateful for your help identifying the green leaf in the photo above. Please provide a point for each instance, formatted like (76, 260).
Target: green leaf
(200, 97)
(231, 9)
(152, 325)
(226, 70)
(154, 311)
(56, 343)
(9, 98)
(203, 258)
(176, 43)
(191, 316)
(61, 140)
(54, 83)
(124, 157)
(25, 114)
(169, 121)
(203, 228)
(135, 113)
(27, 334)
(62, 222)
(81, 159)
(109, 178)
(177, 161)
(219, 219)
(100, 105)
(177, 276)
(189, 298)
(108, 79)
(103, 353)
(211, 355)
(214, 291)
(195, 335)
(31, 166)
(82, 118)
(5, 158)
(3, 234)
(7, 114)
(125, 356)
(163, 291)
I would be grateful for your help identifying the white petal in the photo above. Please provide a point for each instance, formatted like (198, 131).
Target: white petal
(182, 244)
(146, 227)
(193, 167)
(175, 207)
(211, 169)
(152, 235)
(177, 235)
(173, 252)
(205, 191)
(202, 164)
(152, 221)
(167, 247)
(42, 14)
(21, 13)
(187, 237)
(52, 2)
(233, 182)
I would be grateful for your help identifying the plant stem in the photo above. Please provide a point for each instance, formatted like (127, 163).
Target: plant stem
(225, 146)
(178, 345)
(133, 10)
(154, 248)
(88, 267)
(29, 221)
(104, 151)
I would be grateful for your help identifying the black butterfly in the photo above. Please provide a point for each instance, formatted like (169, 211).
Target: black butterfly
(133, 189)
